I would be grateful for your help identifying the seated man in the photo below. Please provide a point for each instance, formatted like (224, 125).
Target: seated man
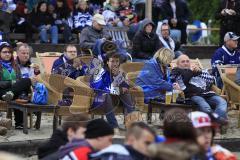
(154, 78)
(196, 85)
(166, 41)
(111, 87)
(90, 34)
(27, 70)
(227, 54)
(68, 64)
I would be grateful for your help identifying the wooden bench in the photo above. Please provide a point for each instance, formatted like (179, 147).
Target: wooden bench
(22, 36)
(27, 108)
(160, 107)
(120, 33)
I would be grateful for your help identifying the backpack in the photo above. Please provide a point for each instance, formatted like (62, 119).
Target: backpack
(40, 94)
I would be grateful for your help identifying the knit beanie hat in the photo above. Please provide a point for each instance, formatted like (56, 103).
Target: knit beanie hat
(98, 128)
(4, 44)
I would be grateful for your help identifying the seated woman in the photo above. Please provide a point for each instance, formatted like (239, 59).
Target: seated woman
(155, 75)
(145, 41)
(45, 23)
(111, 86)
(11, 83)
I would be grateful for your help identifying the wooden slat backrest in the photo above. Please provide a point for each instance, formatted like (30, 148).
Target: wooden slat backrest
(119, 33)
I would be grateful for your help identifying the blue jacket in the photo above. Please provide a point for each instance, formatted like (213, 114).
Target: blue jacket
(64, 67)
(152, 81)
(224, 56)
(102, 81)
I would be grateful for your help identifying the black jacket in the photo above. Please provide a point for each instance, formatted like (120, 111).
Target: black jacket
(186, 75)
(230, 22)
(41, 18)
(182, 11)
(58, 139)
(145, 45)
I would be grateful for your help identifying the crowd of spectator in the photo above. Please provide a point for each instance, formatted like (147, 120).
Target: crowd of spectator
(71, 17)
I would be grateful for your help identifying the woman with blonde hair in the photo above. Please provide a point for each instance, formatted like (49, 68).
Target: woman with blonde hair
(155, 76)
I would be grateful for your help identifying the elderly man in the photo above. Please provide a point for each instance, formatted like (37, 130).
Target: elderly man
(89, 35)
(196, 84)
(28, 70)
(227, 54)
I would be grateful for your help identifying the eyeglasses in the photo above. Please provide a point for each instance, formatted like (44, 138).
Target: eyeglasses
(72, 51)
(5, 52)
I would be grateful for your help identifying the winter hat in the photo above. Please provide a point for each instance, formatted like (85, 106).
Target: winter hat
(200, 119)
(4, 44)
(98, 128)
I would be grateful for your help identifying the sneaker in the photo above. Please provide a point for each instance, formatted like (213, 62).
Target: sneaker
(19, 127)
(8, 96)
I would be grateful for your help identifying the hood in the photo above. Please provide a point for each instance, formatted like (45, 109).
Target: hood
(114, 149)
(69, 147)
(146, 22)
(177, 150)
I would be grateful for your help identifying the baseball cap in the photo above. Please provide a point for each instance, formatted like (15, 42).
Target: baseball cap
(200, 119)
(99, 19)
(230, 35)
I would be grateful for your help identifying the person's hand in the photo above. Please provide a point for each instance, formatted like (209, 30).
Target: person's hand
(124, 90)
(176, 86)
(48, 26)
(174, 22)
(223, 12)
(35, 67)
(231, 12)
(126, 22)
(34, 80)
(76, 63)
(195, 68)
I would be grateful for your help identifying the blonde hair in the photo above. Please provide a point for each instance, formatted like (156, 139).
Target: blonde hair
(164, 56)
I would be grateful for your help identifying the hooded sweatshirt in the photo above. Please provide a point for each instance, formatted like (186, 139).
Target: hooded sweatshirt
(78, 149)
(145, 44)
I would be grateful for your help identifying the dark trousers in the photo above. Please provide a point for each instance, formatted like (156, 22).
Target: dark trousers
(182, 27)
(28, 29)
(111, 101)
(140, 11)
(22, 85)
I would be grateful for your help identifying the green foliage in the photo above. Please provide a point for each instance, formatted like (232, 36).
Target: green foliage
(203, 9)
